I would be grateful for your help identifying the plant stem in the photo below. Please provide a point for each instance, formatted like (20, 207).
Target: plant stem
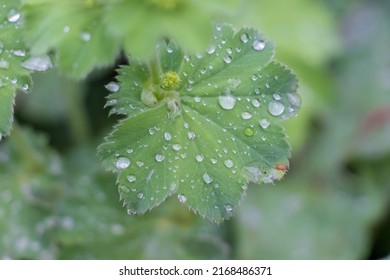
(155, 70)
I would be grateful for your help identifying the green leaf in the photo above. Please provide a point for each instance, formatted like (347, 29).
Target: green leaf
(201, 126)
(12, 53)
(75, 29)
(30, 176)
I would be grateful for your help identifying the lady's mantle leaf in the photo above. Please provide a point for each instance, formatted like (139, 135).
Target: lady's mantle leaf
(201, 126)
(13, 55)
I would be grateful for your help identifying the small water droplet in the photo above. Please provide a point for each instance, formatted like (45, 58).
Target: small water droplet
(275, 108)
(4, 64)
(140, 195)
(182, 198)
(199, 157)
(176, 147)
(129, 150)
(249, 131)
(228, 163)
(85, 36)
(228, 208)
(131, 211)
(207, 179)
(254, 77)
(227, 102)
(256, 103)
(227, 59)
(122, 163)
(37, 63)
(246, 115)
(169, 50)
(25, 87)
(151, 131)
(211, 49)
(197, 99)
(214, 160)
(191, 135)
(13, 16)
(20, 53)
(276, 96)
(66, 29)
(244, 38)
(257, 90)
(167, 136)
(267, 85)
(140, 163)
(131, 178)
(229, 50)
(111, 86)
(264, 123)
(294, 100)
(159, 157)
(258, 45)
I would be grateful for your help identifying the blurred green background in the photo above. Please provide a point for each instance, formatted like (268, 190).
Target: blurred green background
(56, 202)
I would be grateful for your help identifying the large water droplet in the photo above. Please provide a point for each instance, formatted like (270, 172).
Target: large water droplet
(227, 59)
(176, 147)
(182, 198)
(159, 157)
(37, 63)
(256, 103)
(211, 49)
(275, 108)
(131, 178)
(228, 163)
(13, 16)
(258, 45)
(246, 115)
(199, 157)
(264, 123)
(207, 179)
(227, 102)
(113, 87)
(122, 163)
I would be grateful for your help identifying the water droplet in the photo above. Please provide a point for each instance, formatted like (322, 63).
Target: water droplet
(199, 157)
(131, 178)
(20, 53)
(256, 103)
(159, 157)
(122, 163)
(294, 99)
(131, 211)
(197, 99)
(151, 131)
(267, 85)
(182, 198)
(37, 63)
(167, 136)
(264, 123)
(13, 16)
(140, 195)
(66, 29)
(228, 163)
(4, 64)
(140, 163)
(211, 49)
(111, 86)
(228, 208)
(85, 36)
(229, 50)
(25, 87)
(191, 135)
(276, 96)
(207, 179)
(214, 160)
(244, 38)
(129, 150)
(258, 45)
(169, 50)
(227, 102)
(227, 59)
(246, 115)
(275, 108)
(254, 77)
(257, 90)
(176, 147)
(249, 131)
(14, 80)
(234, 83)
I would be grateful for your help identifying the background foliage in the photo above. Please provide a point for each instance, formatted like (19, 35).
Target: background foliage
(56, 201)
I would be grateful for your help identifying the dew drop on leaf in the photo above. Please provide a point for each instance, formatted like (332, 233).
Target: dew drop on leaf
(258, 45)
(206, 178)
(140, 195)
(131, 178)
(256, 103)
(113, 87)
(199, 157)
(131, 211)
(227, 59)
(182, 198)
(176, 147)
(276, 96)
(227, 102)
(159, 157)
(275, 108)
(167, 136)
(264, 123)
(294, 99)
(228, 163)
(211, 49)
(85, 36)
(191, 135)
(246, 115)
(37, 63)
(228, 208)
(122, 163)
(244, 38)
(13, 16)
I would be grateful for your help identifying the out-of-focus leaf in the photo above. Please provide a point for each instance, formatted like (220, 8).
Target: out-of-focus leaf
(30, 184)
(76, 29)
(92, 225)
(206, 127)
(12, 53)
(300, 220)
